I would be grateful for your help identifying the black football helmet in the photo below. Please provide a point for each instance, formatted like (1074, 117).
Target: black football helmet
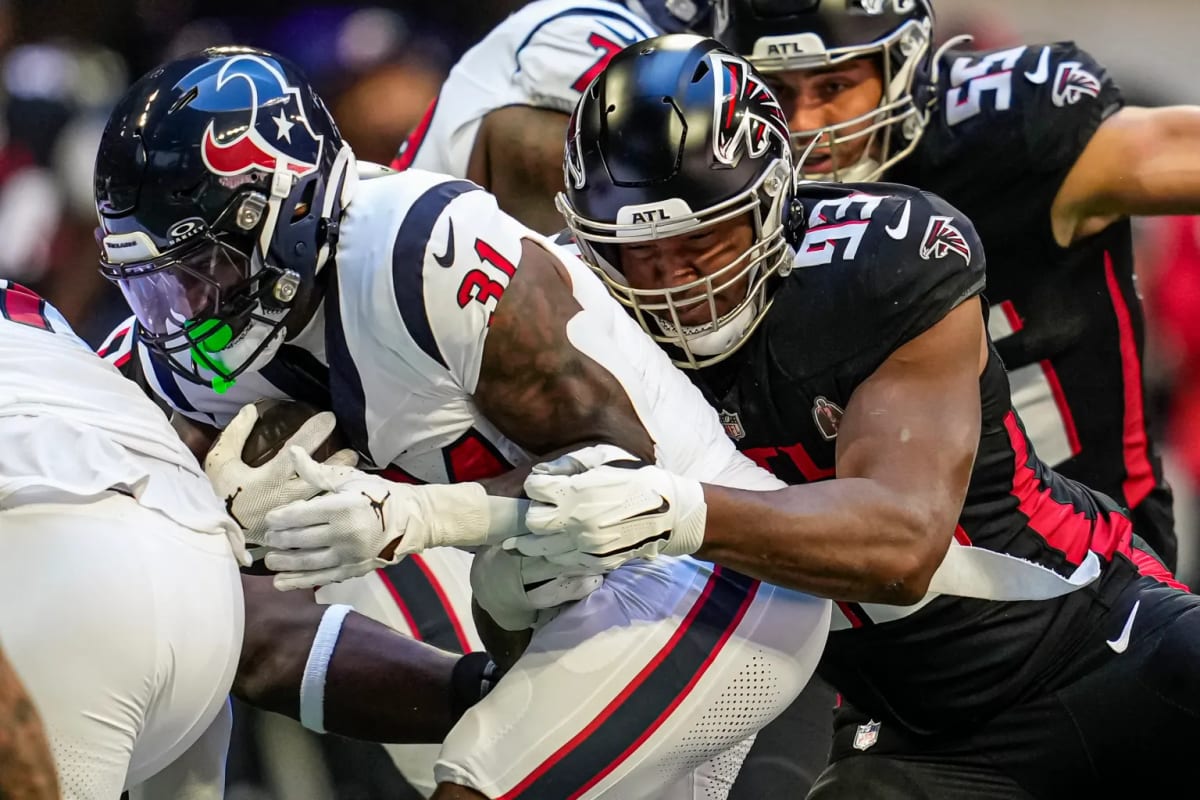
(786, 35)
(219, 184)
(677, 135)
(675, 16)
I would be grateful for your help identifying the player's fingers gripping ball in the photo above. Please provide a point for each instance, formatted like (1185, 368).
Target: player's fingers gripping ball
(254, 472)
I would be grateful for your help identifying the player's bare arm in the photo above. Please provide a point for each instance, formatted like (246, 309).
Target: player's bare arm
(876, 533)
(518, 157)
(906, 445)
(1140, 161)
(534, 385)
(26, 768)
(371, 661)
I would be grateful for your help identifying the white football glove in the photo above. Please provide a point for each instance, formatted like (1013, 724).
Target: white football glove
(250, 492)
(361, 522)
(600, 506)
(519, 592)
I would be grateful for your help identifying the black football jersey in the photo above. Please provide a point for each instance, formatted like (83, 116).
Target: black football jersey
(880, 265)
(1007, 128)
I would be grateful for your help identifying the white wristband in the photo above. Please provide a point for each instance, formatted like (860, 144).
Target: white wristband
(312, 685)
(465, 515)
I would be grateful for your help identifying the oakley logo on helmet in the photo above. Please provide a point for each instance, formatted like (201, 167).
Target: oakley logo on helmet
(185, 229)
(746, 115)
(1073, 82)
(943, 238)
(879, 6)
(278, 132)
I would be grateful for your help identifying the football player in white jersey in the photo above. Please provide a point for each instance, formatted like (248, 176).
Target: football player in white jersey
(104, 515)
(500, 118)
(452, 343)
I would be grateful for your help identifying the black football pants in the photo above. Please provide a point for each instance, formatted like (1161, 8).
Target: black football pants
(1126, 726)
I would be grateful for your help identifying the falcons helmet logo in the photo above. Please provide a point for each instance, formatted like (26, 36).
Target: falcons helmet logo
(573, 162)
(277, 133)
(1073, 82)
(942, 237)
(746, 115)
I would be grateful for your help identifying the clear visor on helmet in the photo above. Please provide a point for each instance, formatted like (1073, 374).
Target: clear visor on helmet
(668, 314)
(172, 292)
(862, 148)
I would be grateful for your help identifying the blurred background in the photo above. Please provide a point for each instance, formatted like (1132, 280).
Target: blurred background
(63, 63)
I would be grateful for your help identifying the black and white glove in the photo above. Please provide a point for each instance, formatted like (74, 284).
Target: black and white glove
(520, 592)
(600, 506)
(250, 492)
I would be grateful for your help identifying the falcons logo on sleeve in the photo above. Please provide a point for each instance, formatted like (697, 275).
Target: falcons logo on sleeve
(1073, 82)
(943, 238)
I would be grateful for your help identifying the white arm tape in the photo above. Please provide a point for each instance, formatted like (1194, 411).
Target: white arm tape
(988, 575)
(465, 515)
(312, 685)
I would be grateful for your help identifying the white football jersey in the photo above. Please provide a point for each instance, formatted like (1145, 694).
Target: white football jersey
(543, 56)
(71, 424)
(422, 261)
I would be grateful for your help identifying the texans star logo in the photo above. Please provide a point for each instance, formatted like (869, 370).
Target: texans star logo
(278, 131)
(943, 238)
(746, 114)
(1073, 82)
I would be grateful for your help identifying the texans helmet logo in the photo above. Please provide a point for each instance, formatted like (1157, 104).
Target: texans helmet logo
(943, 238)
(1072, 83)
(746, 115)
(278, 131)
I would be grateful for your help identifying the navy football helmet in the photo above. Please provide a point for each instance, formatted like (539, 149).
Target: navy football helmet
(678, 135)
(786, 35)
(675, 16)
(219, 184)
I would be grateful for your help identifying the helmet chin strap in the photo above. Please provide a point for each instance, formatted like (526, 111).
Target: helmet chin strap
(864, 170)
(703, 340)
(727, 335)
(343, 181)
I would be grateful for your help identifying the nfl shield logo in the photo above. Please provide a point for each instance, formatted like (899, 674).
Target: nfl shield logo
(732, 425)
(866, 735)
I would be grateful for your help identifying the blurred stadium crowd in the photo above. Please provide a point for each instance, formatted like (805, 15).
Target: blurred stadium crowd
(63, 63)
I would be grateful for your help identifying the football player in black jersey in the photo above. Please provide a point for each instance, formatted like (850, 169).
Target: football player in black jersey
(1033, 144)
(999, 633)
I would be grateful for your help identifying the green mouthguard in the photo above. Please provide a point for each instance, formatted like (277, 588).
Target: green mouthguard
(208, 339)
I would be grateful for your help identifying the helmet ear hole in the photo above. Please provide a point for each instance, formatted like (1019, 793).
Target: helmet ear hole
(304, 205)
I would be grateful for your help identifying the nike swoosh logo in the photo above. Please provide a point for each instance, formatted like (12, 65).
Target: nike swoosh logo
(901, 229)
(446, 260)
(1119, 644)
(1042, 72)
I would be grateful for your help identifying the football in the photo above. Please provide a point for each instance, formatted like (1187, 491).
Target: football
(277, 421)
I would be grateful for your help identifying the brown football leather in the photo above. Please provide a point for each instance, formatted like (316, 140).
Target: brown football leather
(277, 421)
